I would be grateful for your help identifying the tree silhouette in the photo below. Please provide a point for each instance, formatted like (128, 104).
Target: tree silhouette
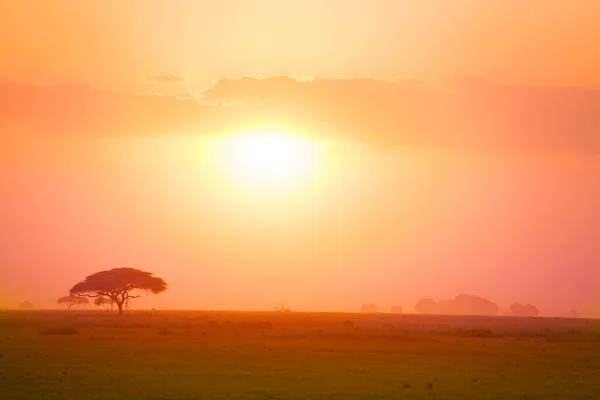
(72, 300)
(468, 304)
(426, 306)
(369, 309)
(524, 310)
(118, 284)
(396, 310)
(101, 300)
(281, 308)
(26, 305)
(464, 304)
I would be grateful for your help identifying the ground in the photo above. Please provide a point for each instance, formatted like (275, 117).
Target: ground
(239, 355)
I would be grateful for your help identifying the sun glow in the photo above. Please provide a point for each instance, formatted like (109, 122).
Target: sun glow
(268, 159)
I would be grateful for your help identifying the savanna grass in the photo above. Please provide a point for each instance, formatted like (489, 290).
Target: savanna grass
(218, 355)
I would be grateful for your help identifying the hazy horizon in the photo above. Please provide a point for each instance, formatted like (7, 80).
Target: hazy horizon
(429, 162)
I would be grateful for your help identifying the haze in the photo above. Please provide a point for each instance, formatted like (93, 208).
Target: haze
(438, 148)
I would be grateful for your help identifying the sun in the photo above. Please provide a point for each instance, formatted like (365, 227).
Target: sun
(268, 159)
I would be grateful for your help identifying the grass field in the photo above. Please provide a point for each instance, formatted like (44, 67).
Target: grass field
(241, 355)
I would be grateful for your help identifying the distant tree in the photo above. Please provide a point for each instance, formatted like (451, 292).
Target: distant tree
(524, 310)
(281, 308)
(396, 310)
(467, 304)
(101, 300)
(531, 310)
(464, 304)
(426, 306)
(119, 284)
(369, 309)
(26, 305)
(515, 308)
(72, 300)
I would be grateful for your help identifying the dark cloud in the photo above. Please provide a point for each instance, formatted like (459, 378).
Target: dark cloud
(466, 112)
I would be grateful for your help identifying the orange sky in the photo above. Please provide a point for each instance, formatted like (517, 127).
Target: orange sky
(434, 182)
(112, 43)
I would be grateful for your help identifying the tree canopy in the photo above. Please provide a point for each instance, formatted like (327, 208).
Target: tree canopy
(369, 309)
(26, 305)
(72, 300)
(524, 310)
(99, 301)
(462, 304)
(119, 285)
(426, 306)
(396, 310)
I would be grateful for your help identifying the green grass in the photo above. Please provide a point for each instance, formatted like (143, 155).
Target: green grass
(228, 355)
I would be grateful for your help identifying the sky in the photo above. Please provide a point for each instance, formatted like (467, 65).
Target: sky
(455, 148)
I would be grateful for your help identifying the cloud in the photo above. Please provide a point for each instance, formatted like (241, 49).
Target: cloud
(176, 85)
(166, 79)
(469, 112)
(82, 110)
(465, 112)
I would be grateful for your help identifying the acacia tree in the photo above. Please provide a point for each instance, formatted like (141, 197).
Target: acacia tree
(120, 285)
(281, 308)
(72, 300)
(99, 301)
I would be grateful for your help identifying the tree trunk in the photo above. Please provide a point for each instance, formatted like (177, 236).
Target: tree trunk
(120, 306)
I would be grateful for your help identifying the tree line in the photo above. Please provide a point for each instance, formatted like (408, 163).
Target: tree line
(119, 286)
(464, 304)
